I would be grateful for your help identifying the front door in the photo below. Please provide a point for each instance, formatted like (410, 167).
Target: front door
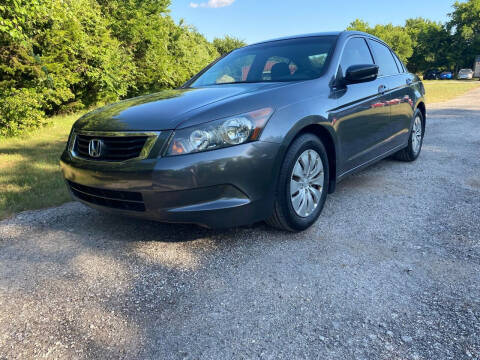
(364, 111)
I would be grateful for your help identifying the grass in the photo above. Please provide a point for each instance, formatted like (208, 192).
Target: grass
(30, 175)
(443, 90)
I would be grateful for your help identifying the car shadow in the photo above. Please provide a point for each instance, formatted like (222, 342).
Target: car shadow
(140, 288)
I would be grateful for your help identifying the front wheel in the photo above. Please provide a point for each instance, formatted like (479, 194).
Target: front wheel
(302, 186)
(415, 142)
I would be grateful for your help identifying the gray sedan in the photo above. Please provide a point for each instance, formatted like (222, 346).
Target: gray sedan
(465, 74)
(263, 133)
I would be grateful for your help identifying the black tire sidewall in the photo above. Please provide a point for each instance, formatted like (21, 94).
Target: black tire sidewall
(412, 154)
(301, 144)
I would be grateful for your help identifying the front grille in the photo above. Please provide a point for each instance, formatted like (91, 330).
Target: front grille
(114, 148)
(124, 200)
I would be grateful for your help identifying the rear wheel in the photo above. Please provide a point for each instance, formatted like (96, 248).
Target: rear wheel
(302, 186)
(415, 142)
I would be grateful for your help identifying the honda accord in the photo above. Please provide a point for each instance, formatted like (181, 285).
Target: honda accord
(263, 133)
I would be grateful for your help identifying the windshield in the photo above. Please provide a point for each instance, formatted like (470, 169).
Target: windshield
(284, 60)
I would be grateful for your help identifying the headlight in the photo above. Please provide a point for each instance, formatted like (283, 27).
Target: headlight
(218, 134)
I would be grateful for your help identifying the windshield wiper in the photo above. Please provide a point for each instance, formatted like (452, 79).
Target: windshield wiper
(241, 82)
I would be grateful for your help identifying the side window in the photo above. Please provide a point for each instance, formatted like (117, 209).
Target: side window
(398, 62)
(356, 52)
(402, 65)
(383, 58)
(317, 61)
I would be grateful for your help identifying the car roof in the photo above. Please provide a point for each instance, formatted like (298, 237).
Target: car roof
(346, 33)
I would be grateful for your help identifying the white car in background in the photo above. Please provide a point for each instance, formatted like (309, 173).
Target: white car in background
(465, 74)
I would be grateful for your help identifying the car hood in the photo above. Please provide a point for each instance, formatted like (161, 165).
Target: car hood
(164, 110)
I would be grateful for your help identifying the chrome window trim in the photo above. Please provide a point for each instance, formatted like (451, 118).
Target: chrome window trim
(152, 137)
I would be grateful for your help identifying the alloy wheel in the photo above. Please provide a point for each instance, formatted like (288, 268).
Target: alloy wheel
(417, 135)
(306, 183)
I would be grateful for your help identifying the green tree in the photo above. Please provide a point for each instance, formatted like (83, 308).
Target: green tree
(360, 25)
(431, 45)
(228, 43)
(56, 56)
(165, 54)
(64, 55)
(464, 25)
(394, 36)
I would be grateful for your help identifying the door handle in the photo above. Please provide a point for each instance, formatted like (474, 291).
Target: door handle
(382, 89)
(409, 81)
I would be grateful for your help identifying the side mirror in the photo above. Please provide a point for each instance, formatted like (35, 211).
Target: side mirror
(361, 73)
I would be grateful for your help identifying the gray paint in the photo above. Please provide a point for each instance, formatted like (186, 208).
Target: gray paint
(236, 185)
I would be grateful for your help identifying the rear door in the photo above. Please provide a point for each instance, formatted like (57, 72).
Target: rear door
(403, 108)
(400, 103)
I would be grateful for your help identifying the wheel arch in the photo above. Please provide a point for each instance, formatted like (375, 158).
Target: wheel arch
(328, 140)
(423, 109)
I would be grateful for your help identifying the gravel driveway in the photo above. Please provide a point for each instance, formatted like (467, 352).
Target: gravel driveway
(390, 271)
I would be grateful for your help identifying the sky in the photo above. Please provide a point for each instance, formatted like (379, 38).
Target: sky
(257, 20)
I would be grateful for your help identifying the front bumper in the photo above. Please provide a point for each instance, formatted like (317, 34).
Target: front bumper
(221, 188)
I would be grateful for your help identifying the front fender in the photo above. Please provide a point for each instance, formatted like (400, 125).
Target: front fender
(288, 122)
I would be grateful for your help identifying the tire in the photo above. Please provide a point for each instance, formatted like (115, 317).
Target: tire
(289, 212)
(414, 147)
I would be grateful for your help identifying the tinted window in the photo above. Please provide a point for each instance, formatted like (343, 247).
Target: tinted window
(272, 61)
(235, 71)
(383, 58)
(355, 53)
(286, 60)
(400, 66)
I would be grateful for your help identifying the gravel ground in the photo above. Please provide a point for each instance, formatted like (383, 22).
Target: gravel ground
(390, 271)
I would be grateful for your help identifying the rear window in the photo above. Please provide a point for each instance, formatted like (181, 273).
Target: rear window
(400, 66)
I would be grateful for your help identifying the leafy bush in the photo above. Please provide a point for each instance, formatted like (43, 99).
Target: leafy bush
(395, 36)
(227, 44)
(20, 110)
(60, 56)
(425, 44)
